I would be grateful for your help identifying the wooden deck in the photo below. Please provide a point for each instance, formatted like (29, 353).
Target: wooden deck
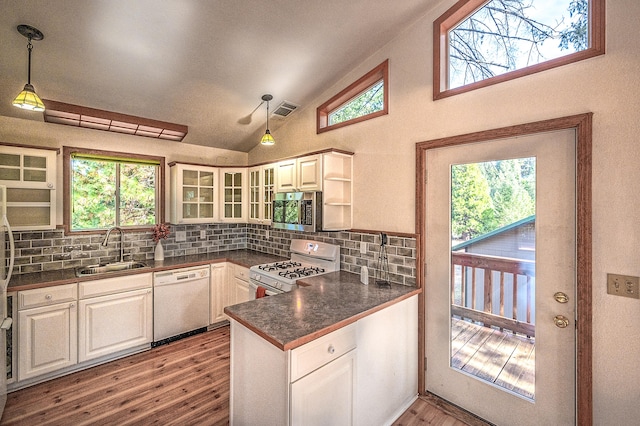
(501, 358)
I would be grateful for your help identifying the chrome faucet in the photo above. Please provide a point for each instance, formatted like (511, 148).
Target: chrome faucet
(106, 239)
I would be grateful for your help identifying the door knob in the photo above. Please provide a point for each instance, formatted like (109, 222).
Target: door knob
(561, 321)
(561, 297)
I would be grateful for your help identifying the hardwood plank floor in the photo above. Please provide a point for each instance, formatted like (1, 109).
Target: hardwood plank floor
(432, 410)
(183, 383)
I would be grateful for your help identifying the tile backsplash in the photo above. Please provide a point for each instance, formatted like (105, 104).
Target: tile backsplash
(50, 250)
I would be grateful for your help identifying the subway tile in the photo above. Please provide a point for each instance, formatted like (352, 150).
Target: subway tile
(54, 251)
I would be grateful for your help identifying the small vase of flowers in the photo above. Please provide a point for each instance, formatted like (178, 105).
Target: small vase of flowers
(160, 232)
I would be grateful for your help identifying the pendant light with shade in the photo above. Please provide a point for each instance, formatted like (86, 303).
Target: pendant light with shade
(28, 99)
(267, 139)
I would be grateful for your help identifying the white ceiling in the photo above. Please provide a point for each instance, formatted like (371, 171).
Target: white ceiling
(204, 63)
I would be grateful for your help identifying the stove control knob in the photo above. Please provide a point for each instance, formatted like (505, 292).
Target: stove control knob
(257, 277)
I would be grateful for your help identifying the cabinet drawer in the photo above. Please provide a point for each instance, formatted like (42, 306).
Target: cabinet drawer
(319, 352)
(241, 272)
(47, 296)
(114, 285)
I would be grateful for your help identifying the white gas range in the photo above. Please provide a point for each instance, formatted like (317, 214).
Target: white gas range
(308, 258)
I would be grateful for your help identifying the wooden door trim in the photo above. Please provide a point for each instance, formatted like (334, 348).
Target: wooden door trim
(583, 124)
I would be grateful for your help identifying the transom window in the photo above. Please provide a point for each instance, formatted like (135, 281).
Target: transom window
(478, 42)
(366, 98)
(105, 189)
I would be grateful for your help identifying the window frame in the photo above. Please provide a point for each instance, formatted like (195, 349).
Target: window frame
(464, 8)
(380, 72)
(68, 152)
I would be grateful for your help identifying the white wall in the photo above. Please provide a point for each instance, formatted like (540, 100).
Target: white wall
(608, 86)
(38, 133)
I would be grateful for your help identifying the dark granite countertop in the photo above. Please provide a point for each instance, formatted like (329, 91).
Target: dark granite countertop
(317, 307)
(245, 258)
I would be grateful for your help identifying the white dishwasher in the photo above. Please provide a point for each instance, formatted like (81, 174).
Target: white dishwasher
(180, 303)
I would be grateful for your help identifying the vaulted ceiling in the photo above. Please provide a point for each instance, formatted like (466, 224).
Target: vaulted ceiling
(204, 63)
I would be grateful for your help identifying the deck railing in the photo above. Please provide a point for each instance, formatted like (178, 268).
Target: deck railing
(492, 291)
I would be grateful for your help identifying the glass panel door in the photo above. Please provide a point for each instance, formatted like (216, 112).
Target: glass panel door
(493, 207)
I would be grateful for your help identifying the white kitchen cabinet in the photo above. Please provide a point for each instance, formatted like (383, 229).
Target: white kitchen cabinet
(30, 177)
(240, 291)
(327, 395)
(330, 172)
(47, 330)
(300, 174)
(337, 196)
(115, 314)
(323, 374)
(364, 373)
(219, 292)
(233, 195)
(313, 384)
(194, 193)
(239, 280)
(387, 363)
(261, 193)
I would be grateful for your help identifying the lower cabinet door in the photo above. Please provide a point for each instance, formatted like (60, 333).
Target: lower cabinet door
(327, 395)
(241, 291)
(47, 339)
(113, 323)
(219, 292)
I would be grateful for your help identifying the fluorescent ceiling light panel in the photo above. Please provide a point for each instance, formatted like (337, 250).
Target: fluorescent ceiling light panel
(91, 118)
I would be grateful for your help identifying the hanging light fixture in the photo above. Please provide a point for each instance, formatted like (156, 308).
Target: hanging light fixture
(28, 99)
(267, 139)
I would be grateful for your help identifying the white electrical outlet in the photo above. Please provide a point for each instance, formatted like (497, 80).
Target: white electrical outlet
(203, 234)
(363, 247)
(266, 234)
(181, 236)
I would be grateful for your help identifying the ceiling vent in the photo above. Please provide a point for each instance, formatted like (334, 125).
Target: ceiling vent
(284, 109)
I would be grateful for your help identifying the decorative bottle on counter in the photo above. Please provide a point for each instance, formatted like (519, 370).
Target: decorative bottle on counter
(159, 252)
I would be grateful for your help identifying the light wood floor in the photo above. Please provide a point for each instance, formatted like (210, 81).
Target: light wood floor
(182, 383)
(502, 358)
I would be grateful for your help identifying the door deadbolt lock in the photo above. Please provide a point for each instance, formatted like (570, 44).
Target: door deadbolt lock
(561, 297)
(561, 321)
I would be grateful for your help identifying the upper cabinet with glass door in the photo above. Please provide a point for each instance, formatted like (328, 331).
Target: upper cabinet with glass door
(234, 199)
(30, 177)
(261, 192)
(194, 193)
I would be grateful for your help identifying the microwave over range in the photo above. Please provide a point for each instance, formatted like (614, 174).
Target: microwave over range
(298, 211)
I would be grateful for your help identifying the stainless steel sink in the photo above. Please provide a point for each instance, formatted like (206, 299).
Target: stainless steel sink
(105, 268)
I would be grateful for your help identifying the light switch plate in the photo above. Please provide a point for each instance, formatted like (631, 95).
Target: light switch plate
(203, 234)
(181, 236)
(623, 285)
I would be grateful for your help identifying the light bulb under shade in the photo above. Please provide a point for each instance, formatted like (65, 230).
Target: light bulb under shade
(28, 99)
(267, 139)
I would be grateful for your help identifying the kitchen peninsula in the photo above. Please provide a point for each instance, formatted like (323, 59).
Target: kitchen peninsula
(333, 342)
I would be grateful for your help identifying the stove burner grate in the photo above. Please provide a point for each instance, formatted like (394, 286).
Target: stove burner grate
(279, 265)
(301, 272)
